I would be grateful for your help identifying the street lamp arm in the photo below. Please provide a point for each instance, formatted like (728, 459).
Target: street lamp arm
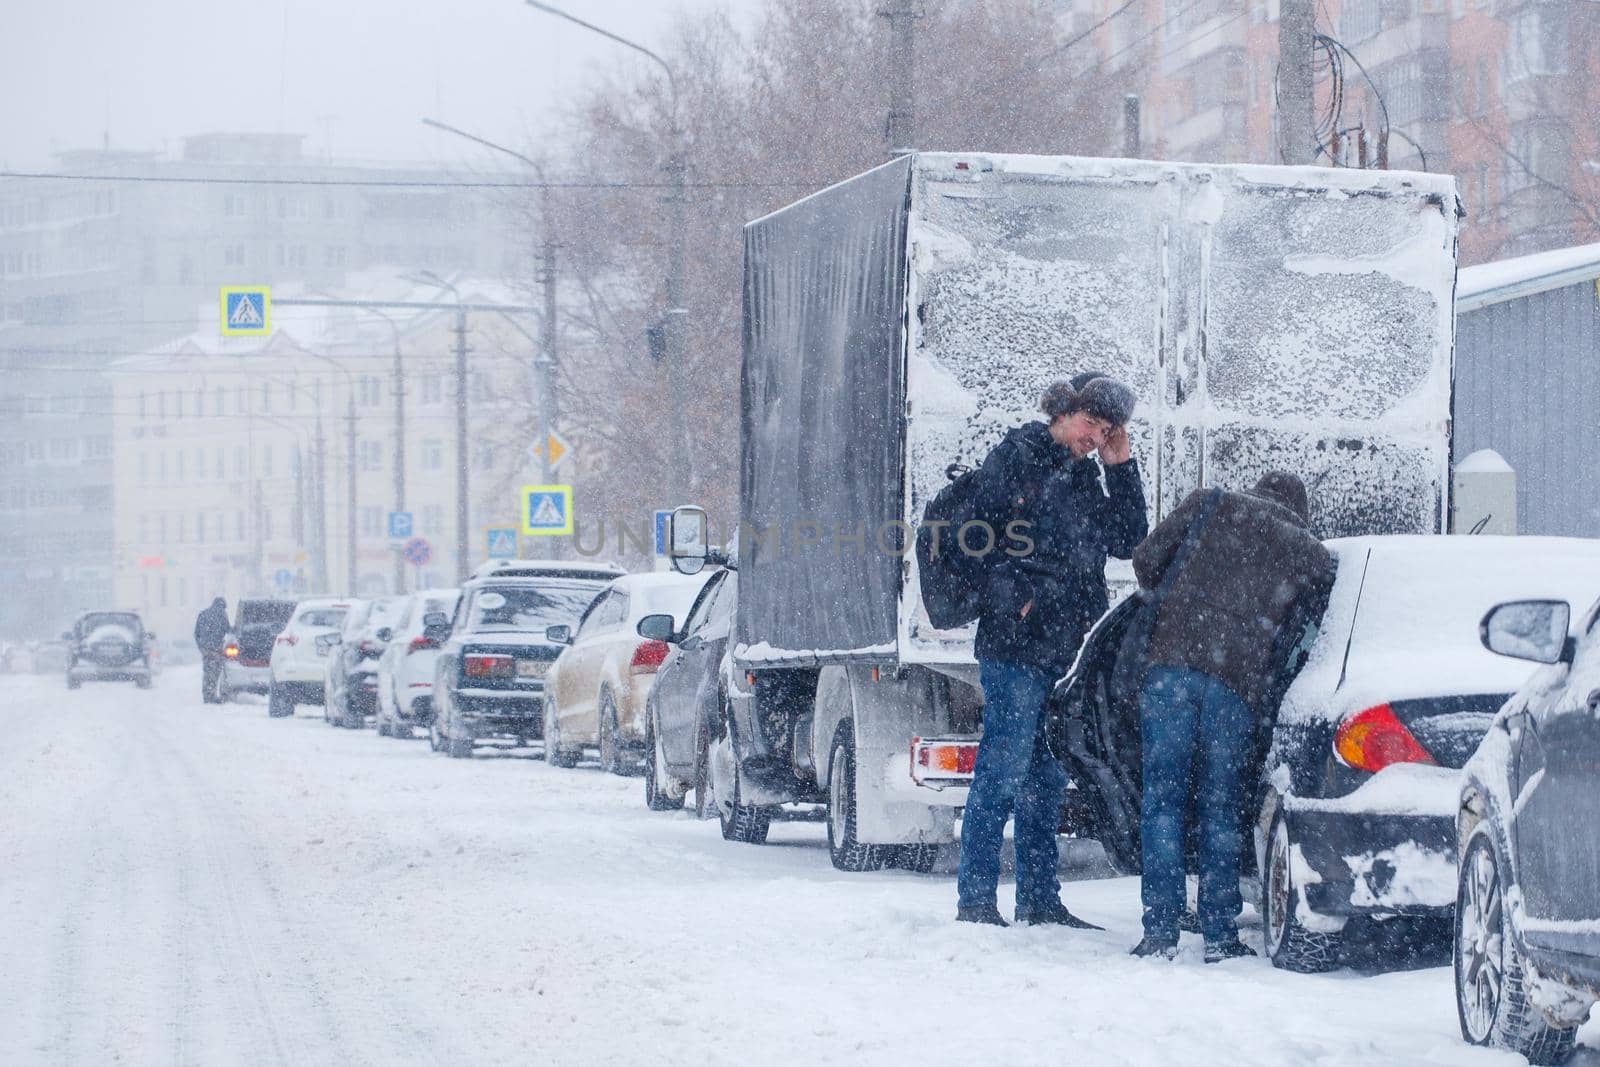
(447, 128)
(672, 82)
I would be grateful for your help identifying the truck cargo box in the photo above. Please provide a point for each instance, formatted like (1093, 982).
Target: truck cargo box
(1267, 317)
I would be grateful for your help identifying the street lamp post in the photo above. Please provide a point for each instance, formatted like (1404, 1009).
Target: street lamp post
(399, 439)
(463, 461)
(683, 472)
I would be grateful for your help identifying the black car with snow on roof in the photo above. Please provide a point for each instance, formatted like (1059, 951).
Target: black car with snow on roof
(1527, 933)
(489, 677)
(108, 646)
(1359, 761)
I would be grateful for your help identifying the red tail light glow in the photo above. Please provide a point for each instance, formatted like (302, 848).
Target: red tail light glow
(959, 759)
(1373, 739)
(419, 643)
(647, 657)
(286, 639)
(483, 666)
(231, 651)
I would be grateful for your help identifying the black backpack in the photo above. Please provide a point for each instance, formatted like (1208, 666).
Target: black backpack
(952, 580)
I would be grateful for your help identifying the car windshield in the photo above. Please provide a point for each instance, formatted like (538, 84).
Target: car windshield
(327, 618)
(102, 625)
(531, 607)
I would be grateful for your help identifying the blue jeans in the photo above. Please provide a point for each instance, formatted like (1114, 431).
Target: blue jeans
(1192, 725)
(1015, 776)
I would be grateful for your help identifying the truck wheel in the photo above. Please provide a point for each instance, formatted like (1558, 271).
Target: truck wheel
(848, 854)
(1493, 1001)
(553, 752)
(655, 766)
(279, 706)
(1291, 945)
(919, 859)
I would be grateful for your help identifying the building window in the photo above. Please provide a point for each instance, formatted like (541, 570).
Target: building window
(221, 399)
(181, 525)
(144, 468)
(200, 527)
(483, 455)
(333, 256)
(371, 455)
(432, 389)
(161, 528)
(238, 525)
(433, 520)
(161, 467)
(222, 464)
(241, 462)
(178, 459)
(266, 398)
(233, 255)
(432, 454)
(144, 530)
(266, 461)
(266, 524)
(371, 390)
(372, 522)
(141, 404)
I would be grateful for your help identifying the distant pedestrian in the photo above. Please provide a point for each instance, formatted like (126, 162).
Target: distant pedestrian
(211, 637)
(1232, 569)
(1037, 606)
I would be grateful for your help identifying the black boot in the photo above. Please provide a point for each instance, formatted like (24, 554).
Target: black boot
(1159, 947)
(1228, 949)
(981, 913)
(1053, 913)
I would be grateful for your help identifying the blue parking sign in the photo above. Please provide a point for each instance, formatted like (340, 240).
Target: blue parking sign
(399, 525)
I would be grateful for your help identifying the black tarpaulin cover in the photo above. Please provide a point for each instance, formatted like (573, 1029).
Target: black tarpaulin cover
(823, 400)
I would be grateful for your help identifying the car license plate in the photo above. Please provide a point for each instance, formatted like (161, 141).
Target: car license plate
(530, 668)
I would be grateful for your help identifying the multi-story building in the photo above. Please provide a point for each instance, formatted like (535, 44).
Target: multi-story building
(1500, 93)
(252, 466)
(110, 254)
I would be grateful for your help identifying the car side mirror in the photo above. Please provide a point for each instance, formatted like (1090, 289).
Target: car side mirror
(558, 635)
(658, 628)
(384, 634)
(1529, 629)
(433, 620)
(66, 635)
(148, 636)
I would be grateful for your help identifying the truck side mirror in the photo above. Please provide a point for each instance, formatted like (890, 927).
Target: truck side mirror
(688, 545)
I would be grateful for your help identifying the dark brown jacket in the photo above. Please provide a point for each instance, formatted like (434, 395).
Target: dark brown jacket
(1254, 565)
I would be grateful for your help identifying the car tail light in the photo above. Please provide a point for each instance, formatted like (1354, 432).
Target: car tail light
(1373, 739)
(647, 657)
(369, 650)
(418, 644)
(480, 666)
(286, 639)
(231, 651)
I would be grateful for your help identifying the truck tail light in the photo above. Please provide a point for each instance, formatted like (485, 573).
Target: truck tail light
(418, 644)
(943, 758)
(1373, 739)
(482, 666)
(647, 657)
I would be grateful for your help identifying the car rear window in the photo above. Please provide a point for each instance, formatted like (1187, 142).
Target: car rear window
(330, 618)
(533, 607)
(266, 612)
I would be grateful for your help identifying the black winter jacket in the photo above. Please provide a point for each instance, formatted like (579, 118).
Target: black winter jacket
(211, 629)
(1058, 564)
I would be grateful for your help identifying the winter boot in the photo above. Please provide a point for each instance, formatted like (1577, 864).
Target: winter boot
(1189, 922)
(987, 914)
(1229, 949)
(1159, 947)
(1053, 913)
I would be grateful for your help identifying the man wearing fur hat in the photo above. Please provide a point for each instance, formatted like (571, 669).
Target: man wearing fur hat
(1037, 606)
(1229, 572)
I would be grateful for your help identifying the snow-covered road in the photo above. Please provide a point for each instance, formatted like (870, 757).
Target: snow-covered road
(188, 884)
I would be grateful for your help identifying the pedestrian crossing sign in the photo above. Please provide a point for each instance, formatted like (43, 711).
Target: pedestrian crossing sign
(502, 542)
(246, 311)
(546, 510)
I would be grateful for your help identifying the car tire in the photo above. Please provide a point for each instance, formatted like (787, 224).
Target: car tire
(459, 748)
(704, 802)
(655, 798)
(279, 706)
(74, 683)
(848, 853)
(1493, 1001)
(746, 824)
(1289, 944)
(553, 752)
(143, 683)
(351, 719)
(383, 727)
(613, 760)
(918, 859)
(436, 738)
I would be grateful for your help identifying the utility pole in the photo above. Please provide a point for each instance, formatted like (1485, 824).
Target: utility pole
(350, 502)
(1297, 125)
(463, 461)
(1130, 126)
(902, 76)
(322, 510)
(547, 364)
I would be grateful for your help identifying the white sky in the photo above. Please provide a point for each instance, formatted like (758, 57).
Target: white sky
(360, 74)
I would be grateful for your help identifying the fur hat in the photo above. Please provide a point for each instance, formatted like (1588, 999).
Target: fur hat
(1104, 398)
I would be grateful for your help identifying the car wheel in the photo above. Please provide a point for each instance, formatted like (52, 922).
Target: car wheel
(351, 719)
(1493, 1001)
(919, 859)
(703, 800)
(744, 823)
(1289, 943)
(554, 754)
(459, 748)
(74, 683)
(279, 706)
(143, 683)
(612, 760)
(655, 768)
(383, 727)
(435, 737)
(847, 852)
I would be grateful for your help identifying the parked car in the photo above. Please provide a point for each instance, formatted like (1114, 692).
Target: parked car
(109, 646)
(405, 670)
(351, 691)
(247, 656)
(298, 667)
(1354, 807)
(490, 675)
(598, 687)
(684, 705)
(1527, 929)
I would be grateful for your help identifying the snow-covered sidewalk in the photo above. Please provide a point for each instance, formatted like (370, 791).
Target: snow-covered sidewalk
(191, 884)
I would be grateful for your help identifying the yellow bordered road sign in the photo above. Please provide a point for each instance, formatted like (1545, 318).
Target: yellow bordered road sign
(246, 311)
(546, 510)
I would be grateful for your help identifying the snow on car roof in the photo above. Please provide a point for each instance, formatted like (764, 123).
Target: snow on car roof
(1410, 616)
